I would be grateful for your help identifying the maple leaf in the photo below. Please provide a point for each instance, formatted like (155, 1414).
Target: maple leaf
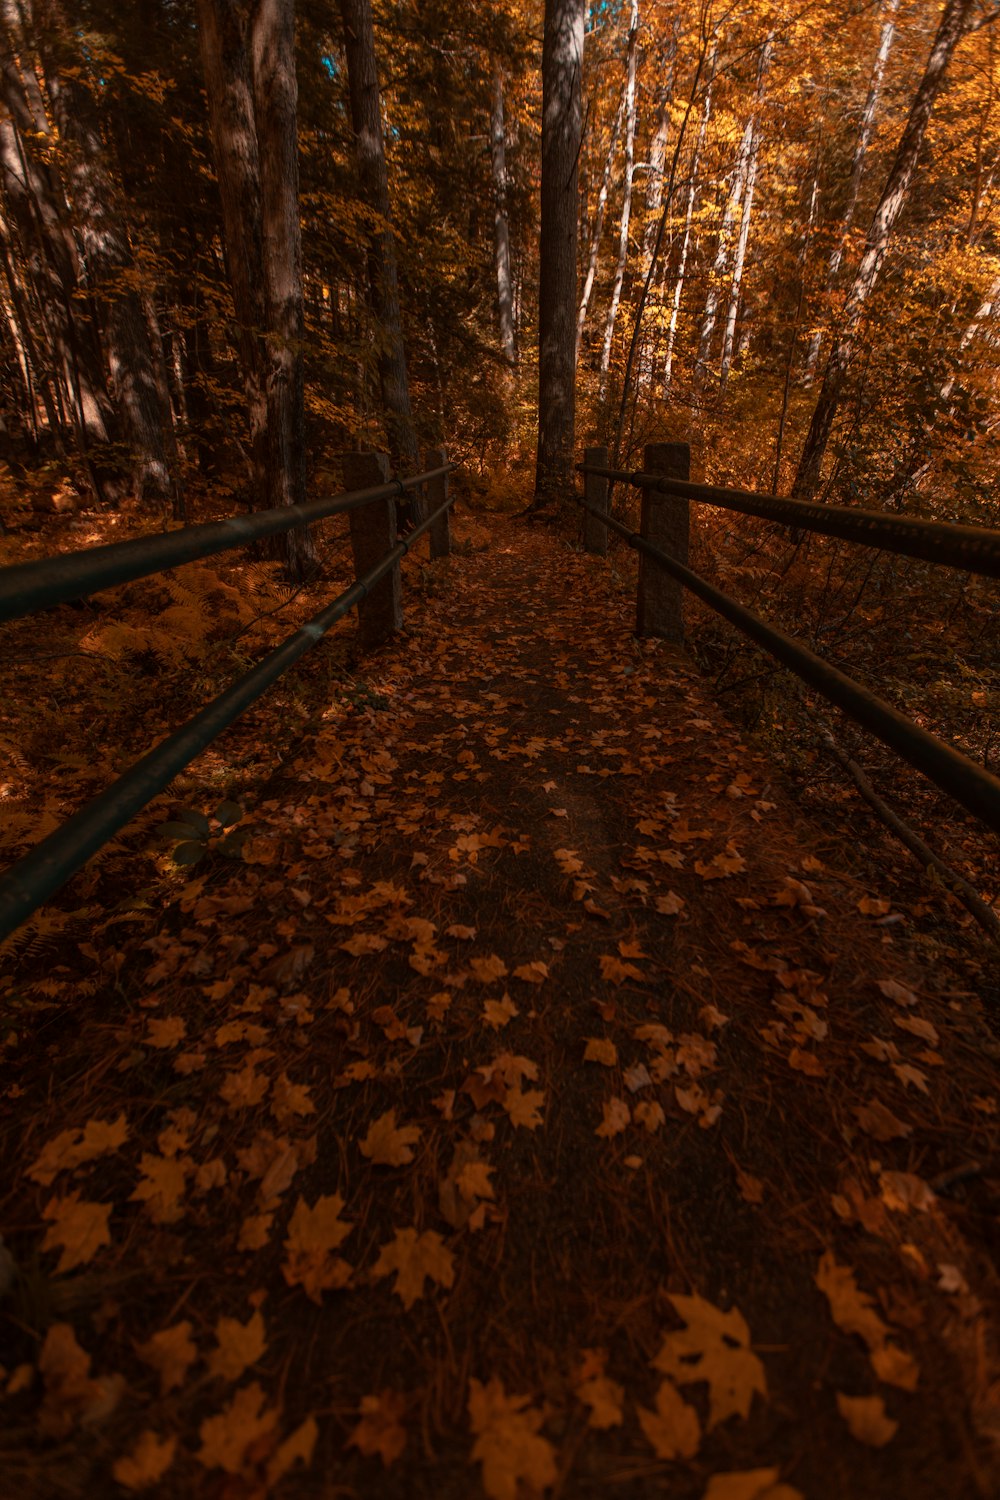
(714, 1347)
(497, 1013)
(673, 1428)
(297, 1448)
(866, 1419)
(313, 1235)
(904, 1190)
(415, 1258)
(616, 972)
(486, 970)
(893, 990)
(147, 1463)
(380, 1429)
(601, 1050)
(508, 1444)
(242, 1425)
(728, 862)
(80, 1229)
(288, 1099)
(255, 1231)
(166, 1032)
(388, 1145)
(170, 1352)
(880, 1122)
(750, 1484)
(71, 1148)
(162, 1186)
(670, 904)
(239, 1345)
(616, 1118)
(806, 1062)
(596, 1390)
(71, 1393)
(522, 1106)
(910, 1076)
(535, 972)
(850, 1308)
(244, 1089)
(649, 1114)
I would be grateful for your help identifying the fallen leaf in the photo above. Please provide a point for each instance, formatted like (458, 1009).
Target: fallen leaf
(171, 1352)
(242, 1425)
(713, 1347)
(893, 990)
(750, 1484)
(388, 1145)
(79, 1229)
(147, 1463)
(617, 972)
(239, 1345)
(71, 1148)
(380, 1429)
(313, 1235)
(523, 1107)
(72, 1395)
(616, 1118)
(878, 1121)
(162, 1186)
(415, 1258)
(649, 1114)
(508, 1444)
(535, 972)
(866, 1419)
(297, 1448)
(728, 862)
(166, 1032)
(601, 1050)
(673, 1428)
(497, 1013)
(595, 1389)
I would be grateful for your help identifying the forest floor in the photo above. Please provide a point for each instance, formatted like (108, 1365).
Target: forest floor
(543, 1105)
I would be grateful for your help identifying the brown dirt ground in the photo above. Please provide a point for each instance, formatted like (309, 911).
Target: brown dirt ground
(521, 770)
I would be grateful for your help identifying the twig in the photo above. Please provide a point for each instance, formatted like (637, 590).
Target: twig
(951, 879)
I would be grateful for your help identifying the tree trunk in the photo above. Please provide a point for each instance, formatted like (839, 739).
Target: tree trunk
(734, 197)
(736, 286)
(562, 119)
(383, 285)
(857, 172)
(598, 229)
(616, 290)
(675, 306)
(501, 228)
(954, 21)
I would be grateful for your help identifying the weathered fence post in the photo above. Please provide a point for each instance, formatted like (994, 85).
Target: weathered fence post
(595, 492)
(373, 533)
(665, 524)
(435, 494)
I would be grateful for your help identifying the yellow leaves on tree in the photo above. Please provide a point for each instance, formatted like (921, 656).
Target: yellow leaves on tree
(388, 1144)
(78, 1229)
(714, 1347)
(71, 1148)
(508, 1444)
(415, 1258)
(853, 1312)
(380, 1430)
(313, 1236)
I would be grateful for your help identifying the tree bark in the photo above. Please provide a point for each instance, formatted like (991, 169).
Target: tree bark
(383, 283)
(501, 227)
(736, 286)
(857, 171)
(616, 290)
(562, 119)
(598, 228)
(734, 197)
(954, 22)
(678, 292)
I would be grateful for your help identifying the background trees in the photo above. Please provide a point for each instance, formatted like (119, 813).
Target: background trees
(733, 157)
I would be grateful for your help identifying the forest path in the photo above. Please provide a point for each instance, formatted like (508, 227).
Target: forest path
(536, 1099)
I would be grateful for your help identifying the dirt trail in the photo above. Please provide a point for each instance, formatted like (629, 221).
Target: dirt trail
(652, 1070)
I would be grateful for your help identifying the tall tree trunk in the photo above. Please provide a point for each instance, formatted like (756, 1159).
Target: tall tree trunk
(734, 197)
(275, 93)
(598, 227)
(857, 171)
(501, 227)
(616, 290)
(562, 121)
(954, 22)
(736, 286)
(675, 301)
(383, 284)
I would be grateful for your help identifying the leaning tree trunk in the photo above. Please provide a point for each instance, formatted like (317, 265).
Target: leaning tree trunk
(954, 22)
(501, 225)
(857, 172)
(383, 283)
(616, 290)
(562, 119)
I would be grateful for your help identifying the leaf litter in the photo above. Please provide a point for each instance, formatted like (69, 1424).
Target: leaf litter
(446, 1144)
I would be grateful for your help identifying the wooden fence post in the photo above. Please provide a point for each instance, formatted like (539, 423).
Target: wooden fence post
(665, 524)
(595, 492)
(373, 533)
(436, 493)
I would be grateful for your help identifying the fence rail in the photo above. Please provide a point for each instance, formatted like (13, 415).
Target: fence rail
(955, 773)
(35, 877)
